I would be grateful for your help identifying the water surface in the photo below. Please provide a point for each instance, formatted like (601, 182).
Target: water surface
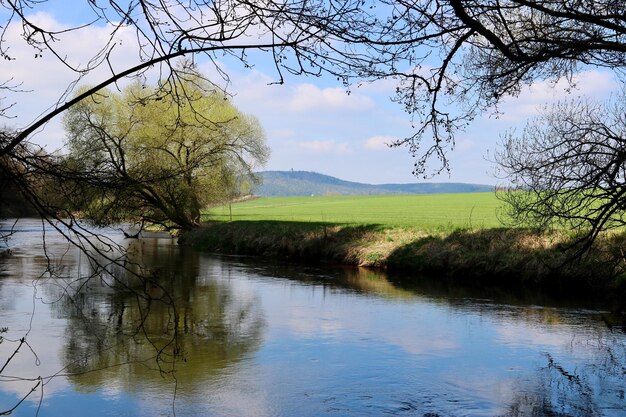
(226, 336)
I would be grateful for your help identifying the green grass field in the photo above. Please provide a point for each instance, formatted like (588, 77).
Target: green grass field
(426, 211)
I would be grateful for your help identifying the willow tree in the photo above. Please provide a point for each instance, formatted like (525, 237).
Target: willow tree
(147, 156)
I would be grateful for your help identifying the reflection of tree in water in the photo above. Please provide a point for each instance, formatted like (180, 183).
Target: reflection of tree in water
(595, 388)
(584, 376)
(218, 327)
(134, 323)
(340, 278)
(591, 383)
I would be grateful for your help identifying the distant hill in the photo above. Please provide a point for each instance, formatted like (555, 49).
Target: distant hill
(303, 183)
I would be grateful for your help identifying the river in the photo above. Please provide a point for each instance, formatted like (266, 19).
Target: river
(207, 335)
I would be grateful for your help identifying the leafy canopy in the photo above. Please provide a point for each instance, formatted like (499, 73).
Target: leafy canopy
(150, 156)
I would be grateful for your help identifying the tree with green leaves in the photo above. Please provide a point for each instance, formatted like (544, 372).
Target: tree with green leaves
(146, 156)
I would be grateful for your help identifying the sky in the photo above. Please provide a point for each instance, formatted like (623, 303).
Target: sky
(311, 124)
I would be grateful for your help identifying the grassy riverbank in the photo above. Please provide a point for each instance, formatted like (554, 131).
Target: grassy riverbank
(470, 245)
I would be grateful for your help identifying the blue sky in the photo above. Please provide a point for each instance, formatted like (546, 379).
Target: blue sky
(310, 123)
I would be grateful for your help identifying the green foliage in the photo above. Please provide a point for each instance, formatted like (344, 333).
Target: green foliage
(432, 212)
(146, 155)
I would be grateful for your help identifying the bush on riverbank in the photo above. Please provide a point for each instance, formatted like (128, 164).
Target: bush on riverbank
(503, 257)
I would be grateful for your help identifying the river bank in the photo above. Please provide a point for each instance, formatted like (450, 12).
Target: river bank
(503, 257)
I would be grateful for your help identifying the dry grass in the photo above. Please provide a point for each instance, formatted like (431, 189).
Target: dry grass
(498, 257)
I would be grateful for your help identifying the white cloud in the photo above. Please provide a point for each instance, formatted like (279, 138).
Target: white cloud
(77, 47)
(308, 97)
(379, 142)
(282, 133)
(45, 81)
(592, 83)
(322, 146)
